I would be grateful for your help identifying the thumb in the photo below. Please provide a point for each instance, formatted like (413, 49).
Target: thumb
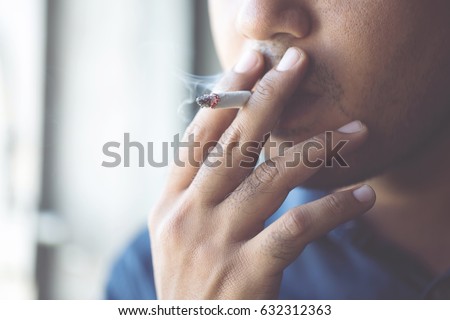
(280, 244)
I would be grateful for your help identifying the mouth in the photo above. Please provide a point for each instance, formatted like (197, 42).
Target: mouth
(301, 107)
(309, 99)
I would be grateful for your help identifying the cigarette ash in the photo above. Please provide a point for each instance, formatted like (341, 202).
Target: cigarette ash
(195, 86)
(208, 100)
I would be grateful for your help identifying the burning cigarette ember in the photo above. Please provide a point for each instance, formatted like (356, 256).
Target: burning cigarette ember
(224, 100)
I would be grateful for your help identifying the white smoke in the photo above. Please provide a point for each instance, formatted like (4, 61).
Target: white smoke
(195, 87)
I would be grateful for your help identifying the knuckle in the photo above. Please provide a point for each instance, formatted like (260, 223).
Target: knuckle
(207, 172)
(196, 130)
(152, 221)
(198, 182)
(334, 204)
(296, 223)
(266, 89)
(203, 251)
(283, 244)
(277, 247)
(174, 226)
(172, 231)
(156, 213)
(236, 200)
(268, 171)
(319, 140)
(232, 136)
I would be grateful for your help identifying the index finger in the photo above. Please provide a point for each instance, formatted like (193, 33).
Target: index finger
(251, 127)
(208, 125)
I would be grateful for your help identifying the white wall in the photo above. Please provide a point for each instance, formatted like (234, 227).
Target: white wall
(22, 42)
(115, 72)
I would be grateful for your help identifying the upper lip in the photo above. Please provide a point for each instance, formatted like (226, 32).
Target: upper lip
(273, 52)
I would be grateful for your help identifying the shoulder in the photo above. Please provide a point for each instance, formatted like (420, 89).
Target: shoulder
(131, 277)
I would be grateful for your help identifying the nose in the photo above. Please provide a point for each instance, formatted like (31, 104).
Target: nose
(265, 19)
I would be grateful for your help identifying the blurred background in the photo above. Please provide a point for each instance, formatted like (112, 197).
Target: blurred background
(74, 75)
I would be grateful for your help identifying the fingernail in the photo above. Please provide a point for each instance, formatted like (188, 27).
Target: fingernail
(247, 62)
(364, 194)
(290, 58)
(352, 127)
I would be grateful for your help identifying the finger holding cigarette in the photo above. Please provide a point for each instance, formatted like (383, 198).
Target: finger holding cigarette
(224, 100)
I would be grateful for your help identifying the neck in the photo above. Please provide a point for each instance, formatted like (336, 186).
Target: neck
(413, 206)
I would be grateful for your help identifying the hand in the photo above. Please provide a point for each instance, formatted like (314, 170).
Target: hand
(207, 231)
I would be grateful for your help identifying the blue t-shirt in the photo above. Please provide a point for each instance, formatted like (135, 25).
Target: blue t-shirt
(347, 263)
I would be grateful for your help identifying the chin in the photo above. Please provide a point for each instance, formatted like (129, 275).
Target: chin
(333, 178)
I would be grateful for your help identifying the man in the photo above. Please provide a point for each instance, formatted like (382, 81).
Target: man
(379, 71)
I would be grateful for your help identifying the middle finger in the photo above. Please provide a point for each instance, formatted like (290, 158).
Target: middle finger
(226, 167)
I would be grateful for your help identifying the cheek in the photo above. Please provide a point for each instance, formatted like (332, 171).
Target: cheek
(392, 71)
(364, 52)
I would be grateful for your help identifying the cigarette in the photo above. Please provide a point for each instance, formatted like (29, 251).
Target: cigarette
(224, 100)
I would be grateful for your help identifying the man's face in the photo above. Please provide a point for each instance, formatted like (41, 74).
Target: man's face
(384, 62)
